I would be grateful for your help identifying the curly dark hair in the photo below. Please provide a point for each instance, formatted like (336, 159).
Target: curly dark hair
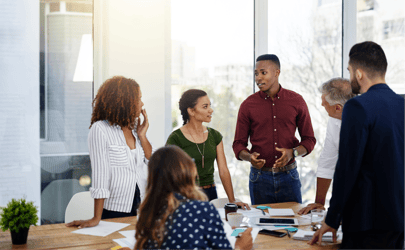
(189, 100)
(117, 101)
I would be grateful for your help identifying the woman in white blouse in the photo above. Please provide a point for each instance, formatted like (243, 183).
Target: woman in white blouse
(119, 151)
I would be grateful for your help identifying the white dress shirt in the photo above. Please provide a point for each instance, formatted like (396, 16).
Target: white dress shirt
(329, 156)
(115, 169)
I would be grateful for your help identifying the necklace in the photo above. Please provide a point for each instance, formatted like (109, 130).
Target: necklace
(202, 154)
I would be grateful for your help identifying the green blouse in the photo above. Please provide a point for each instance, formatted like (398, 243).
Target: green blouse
(206, 174)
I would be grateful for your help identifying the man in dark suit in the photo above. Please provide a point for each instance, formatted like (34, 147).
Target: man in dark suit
(368, 186)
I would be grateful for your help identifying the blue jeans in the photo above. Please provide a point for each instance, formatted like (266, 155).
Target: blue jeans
(211, 193)
(268, 187)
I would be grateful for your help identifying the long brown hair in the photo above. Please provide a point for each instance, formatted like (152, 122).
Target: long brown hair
(171, 170)
(117, 102)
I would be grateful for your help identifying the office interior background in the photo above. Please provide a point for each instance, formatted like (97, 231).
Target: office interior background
(55, 54)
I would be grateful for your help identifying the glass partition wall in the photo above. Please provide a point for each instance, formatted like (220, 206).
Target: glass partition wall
(66, 77)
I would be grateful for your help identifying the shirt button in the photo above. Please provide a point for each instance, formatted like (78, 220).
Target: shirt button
(276, 157)
(275, 129)
(275, 143)
(274, 116)
(278, 97)
(273, 104)
(265, 98)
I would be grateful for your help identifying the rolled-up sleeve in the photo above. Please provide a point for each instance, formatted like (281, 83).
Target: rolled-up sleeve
(98, 150)
(241, 132)
(305, 129)
(329, 156)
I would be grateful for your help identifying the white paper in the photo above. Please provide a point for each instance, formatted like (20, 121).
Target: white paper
(126, 242)
(307, 235)
(253, 212)
(128, 234)
(104, 228)
(221, 212)
(281, 212)
(232, 239)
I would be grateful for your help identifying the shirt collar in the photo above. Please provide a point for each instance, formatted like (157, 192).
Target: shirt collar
(179, 196)
(279, 93)
(379, 86)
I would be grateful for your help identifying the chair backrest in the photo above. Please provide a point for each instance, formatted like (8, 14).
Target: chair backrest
(80, 207)
(220, 202)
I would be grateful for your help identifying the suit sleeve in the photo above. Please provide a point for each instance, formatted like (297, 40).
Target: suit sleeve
(353, 140)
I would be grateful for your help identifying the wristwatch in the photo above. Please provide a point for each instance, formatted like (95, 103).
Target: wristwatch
(295, 152)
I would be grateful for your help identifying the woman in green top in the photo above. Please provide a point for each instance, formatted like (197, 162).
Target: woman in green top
(203, 144)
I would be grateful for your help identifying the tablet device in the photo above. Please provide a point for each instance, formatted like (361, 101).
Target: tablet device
(275, 221)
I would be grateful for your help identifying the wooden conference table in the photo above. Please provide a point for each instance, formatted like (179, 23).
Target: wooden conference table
(58, 236)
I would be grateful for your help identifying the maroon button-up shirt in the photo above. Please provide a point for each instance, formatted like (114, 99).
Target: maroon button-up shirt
(271, 123)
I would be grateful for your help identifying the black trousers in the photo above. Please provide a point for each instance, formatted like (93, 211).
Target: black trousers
(107, 214)
(373, 239)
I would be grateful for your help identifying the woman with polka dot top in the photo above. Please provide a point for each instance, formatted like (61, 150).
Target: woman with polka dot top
(175, 213)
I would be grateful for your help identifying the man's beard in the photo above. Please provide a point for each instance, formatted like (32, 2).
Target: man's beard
(355, 86)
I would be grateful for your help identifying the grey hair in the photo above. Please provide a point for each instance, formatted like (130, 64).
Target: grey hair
(337, 91)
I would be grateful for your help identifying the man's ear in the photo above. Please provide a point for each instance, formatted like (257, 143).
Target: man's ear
(278, 72)
(338, 108)
(359, 74)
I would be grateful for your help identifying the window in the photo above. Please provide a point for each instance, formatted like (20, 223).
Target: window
(308, 42)
(212, 49)
(66, 76)
(384, 24)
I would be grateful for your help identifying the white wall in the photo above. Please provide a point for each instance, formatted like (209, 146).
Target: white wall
(19, 101)
(132, 38)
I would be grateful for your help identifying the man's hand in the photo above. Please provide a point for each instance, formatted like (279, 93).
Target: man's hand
(242, 205)
(84, 223)
(287, 155)
(318, 234)
(311, 206)
(257, 163)
(245, 242)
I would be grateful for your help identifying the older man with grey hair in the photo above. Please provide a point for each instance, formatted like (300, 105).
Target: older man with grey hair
(335, 93)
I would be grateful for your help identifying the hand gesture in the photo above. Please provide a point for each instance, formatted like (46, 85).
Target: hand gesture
(242, 205)
(245, 242)
(287, 155)
(310, 207)
(142, 128)
(83, 223)
(257, 163)
(318, 234)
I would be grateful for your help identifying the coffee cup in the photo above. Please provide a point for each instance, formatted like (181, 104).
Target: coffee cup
(235, 219)
(229, 208)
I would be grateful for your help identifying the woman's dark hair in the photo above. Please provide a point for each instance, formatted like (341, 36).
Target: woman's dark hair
(117, 101)
(189, 100)
(171, 170)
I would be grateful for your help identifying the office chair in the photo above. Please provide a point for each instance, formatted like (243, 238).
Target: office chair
(80, 207)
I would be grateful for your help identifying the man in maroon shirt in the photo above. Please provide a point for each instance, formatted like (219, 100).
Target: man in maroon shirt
(269, 119)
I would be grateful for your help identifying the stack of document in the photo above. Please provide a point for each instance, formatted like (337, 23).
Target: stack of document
(307, 235)
(281, 212)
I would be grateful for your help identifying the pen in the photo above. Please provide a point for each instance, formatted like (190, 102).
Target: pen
(288, 233)
(263, 212)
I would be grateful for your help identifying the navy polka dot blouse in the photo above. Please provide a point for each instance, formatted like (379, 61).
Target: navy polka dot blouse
(194, 225)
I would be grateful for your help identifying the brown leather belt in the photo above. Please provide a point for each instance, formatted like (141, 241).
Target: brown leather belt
(208, 186)
(281, 169)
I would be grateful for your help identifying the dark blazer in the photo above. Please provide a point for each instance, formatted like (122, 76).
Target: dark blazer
(368, 185)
